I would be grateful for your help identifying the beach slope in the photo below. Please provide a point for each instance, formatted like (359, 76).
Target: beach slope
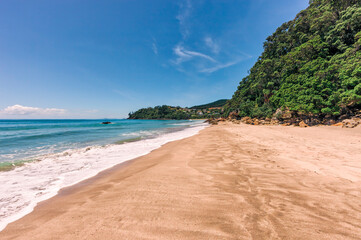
(228, 182)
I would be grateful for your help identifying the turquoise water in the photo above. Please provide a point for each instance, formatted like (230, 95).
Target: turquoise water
(40, 157)
(28, 139)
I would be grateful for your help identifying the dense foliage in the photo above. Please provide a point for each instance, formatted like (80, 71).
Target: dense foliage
(176, 113)
(219, 103)
(159, 112)
(311, 65)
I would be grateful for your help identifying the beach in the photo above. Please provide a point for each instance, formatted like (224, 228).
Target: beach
(230, 181)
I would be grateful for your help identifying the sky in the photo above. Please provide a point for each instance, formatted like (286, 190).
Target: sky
(104, 59)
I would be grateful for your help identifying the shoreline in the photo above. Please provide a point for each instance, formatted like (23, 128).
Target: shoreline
(196, 187)
(119, 151)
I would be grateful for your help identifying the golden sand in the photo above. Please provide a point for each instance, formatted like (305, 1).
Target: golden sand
(228, 182)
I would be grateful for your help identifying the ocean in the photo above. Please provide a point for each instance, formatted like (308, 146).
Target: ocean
(39, 157)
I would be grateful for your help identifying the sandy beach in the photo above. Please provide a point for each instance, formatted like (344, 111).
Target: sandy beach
(228, 182)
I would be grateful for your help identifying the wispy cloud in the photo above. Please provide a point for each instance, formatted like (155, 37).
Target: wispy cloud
(24, 110)
(185, 10)
(236, 59)
(186, 55)
(206, 55)
(154, 48)
(212, 45)
(218, 67)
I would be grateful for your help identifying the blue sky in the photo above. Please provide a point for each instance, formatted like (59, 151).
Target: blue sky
(102, 59)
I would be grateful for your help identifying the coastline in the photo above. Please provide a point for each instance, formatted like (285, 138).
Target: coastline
(227, 182)
(68, 168)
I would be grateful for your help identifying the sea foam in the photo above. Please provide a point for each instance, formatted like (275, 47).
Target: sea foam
(22, 188)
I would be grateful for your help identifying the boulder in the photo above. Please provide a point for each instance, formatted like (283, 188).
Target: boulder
(263, 122)
(329, 122)
(233, 115)
(274, 122)
(106, 122)
(351, 123)
(302, 124)
(247, 120)
(212, 121)
(284, 114)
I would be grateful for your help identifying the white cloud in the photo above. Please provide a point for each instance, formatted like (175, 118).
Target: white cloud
(243, 56)
(218, 67)
(209, 57)
(182, 17)
(212, 45)
(154, 48)
(185, 55)
(23, 110)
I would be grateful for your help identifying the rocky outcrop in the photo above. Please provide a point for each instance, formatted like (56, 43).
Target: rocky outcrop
(247, 120)
(233, 115)
(214, 121)
(286, 117)
(303, 124)
(351, 123)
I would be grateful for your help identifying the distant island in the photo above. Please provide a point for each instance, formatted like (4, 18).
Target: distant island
(209, 110)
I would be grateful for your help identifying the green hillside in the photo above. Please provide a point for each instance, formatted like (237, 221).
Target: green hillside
(311, 65)
(160, 112)
(210, 110)
(219, 103)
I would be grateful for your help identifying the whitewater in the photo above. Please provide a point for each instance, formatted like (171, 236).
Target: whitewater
(23, 187)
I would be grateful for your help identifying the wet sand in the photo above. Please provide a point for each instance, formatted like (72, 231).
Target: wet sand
(228, 182)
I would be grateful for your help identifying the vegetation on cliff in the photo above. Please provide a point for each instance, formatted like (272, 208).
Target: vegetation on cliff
(310, 65)
(210, 110)
(219, 103)
(159, 112)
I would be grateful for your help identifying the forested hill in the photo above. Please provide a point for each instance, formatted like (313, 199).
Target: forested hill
(219, 103)
(311, 65)
(177, 113)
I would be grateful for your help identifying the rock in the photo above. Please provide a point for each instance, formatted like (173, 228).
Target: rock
(267, 121)
(282, 114)
(255, 121)
(286, 124)
(287, 114)
(233, 115)
(302, 124)
(351, 123)
(329, 122)
(212, 121)
(277, 115)
(246, 120)
(106, 122)
(337, 124)
(313, 121)
(264, 122)
(343, 117)
(274, 122)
